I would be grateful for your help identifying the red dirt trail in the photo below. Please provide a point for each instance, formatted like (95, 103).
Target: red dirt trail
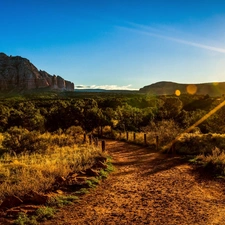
(149, 188)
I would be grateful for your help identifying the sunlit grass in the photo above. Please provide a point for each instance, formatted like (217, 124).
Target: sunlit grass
(21, 173)
(155, 135)
(215, 161)
(194, 144)
(137, 137)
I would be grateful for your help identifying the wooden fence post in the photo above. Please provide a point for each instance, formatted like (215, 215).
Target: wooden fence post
(96, 142)
(145, 139)
(103, 146)
(134, 136)
(98, 131)
(157, 143)
(85, 138)
(101, 131)
(90, 139)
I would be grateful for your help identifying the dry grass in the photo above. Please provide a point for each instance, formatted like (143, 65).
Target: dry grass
(163, 132)
(37, 171)
(195, 144)
(214, 161)
(139, 137)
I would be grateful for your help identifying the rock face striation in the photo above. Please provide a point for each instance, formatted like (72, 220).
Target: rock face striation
(17, 73)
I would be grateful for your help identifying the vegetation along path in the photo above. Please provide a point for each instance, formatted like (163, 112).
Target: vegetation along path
(149, 188)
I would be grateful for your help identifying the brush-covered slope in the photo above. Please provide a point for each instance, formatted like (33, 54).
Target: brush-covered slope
(170, 88)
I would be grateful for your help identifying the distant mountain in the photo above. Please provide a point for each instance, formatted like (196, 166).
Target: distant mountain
(19, 74)
(170, 88)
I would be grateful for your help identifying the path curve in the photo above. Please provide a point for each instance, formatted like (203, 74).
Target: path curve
(148, 188)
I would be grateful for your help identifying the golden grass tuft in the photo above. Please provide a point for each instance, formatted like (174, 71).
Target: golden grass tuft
(21, 173)
(214, 161)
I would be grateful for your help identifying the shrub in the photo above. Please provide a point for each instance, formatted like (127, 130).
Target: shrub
(76, 132)
(214, 161)
(45, 213)
(194, 144)
(166, 130)
(20, 140)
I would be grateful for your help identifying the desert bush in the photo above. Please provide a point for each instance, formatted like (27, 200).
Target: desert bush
(214, 162)
(61, 139)
(76, 132)
(194, 143)
(166, 130)
(20, 140)
(139, 137)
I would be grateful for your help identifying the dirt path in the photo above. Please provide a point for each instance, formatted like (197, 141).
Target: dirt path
(149, 188)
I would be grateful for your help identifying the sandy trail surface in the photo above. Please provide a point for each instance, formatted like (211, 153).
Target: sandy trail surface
(149, 188)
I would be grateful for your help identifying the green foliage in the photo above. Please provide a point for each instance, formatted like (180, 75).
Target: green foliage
(82, 191)
(74, 130)
(60, 201)
(166, 130)
(23, 219)
(41, 214)
(91, 183)
(129, 118)
(194, 144)
(124, 112)
(20, 140)
(103, 174)
(25, 114)
(197, 103)
(45, 213)
(171, 108)
(4, 115)
(215, 161)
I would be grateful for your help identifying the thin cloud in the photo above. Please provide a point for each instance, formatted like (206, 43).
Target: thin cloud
(182, 41)
(106, 87)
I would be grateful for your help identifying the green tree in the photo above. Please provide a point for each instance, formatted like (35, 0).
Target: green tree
(4, 116)
(171, 108)
(129, 118)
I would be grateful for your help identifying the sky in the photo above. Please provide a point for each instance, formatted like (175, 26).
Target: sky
(118, 44)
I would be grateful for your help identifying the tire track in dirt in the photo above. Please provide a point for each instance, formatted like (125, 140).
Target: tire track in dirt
(149, 188)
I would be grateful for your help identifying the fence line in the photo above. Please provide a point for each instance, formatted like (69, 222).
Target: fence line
(133, 137)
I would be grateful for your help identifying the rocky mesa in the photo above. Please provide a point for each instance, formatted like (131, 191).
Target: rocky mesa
(19, 74)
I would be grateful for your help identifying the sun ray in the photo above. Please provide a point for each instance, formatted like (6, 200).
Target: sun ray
(205, 117)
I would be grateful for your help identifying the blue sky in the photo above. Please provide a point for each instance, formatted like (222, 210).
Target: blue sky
(118, 44)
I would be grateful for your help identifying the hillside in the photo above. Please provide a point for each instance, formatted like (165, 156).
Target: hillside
(169, 88)
(19, 74)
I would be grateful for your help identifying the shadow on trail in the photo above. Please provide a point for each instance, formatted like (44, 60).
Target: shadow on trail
(158, 165)
(205, 175)
(129, 157)
(148, 161)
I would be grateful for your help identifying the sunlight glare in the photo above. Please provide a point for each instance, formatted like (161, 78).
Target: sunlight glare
(191, 89)
(205, 117)
(177, 93)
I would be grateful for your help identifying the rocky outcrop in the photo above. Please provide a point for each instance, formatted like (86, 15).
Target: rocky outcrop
(17, 73)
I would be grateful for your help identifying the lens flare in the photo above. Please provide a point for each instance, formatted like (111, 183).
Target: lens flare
(191, 89)
(177, 93)
(205, 117)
